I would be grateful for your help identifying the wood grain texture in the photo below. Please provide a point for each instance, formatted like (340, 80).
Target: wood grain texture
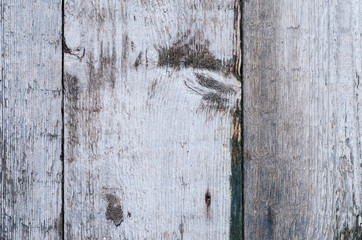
(31, 95)
(150, 97)
(302, 119)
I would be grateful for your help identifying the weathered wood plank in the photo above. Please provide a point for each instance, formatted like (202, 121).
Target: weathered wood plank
(150, 102)
(302, 119)
(31, 95)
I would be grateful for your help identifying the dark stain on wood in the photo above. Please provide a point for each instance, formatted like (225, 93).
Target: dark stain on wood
(146, 57)
(114, 210)
(101, 15)
(51, 136)
(188, 52)
(101, 72)
(101, 76)
(208, 202)
(25, 230)
(353, 232)
(11, 188)
(248, 156)
(71, 93)
(211, 83)
(138, 60)
(181, 228)
(106, 69)
(268, 224)
(357, 80)
(216, 96)
(71, 87)
(152, 89)
(214, 101)
(125, 53)
(58, 225)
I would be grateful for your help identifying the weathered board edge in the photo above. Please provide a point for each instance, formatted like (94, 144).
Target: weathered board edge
(237, 175)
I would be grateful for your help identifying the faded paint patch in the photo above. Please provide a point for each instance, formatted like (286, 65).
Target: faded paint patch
(114, 210)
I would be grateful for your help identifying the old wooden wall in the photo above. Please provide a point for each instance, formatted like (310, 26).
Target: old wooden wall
(184, 119)
(302, 119)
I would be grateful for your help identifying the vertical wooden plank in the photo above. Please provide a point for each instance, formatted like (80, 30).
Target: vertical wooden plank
(31, 94)
(302, 119)
(150, 111)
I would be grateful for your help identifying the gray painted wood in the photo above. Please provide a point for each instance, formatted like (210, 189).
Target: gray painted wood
(150, 99)
(302, 119)
(31, 95)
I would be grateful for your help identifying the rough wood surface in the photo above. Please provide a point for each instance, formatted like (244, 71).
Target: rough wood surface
(302, 119)
(150, 100)
(31, 95)
(152, 127)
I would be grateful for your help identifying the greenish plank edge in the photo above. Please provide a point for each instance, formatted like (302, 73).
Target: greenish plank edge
(236, 181)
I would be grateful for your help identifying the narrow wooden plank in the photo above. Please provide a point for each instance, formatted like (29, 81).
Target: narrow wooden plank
(31, 95)
(302, 119)
(150, 112)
